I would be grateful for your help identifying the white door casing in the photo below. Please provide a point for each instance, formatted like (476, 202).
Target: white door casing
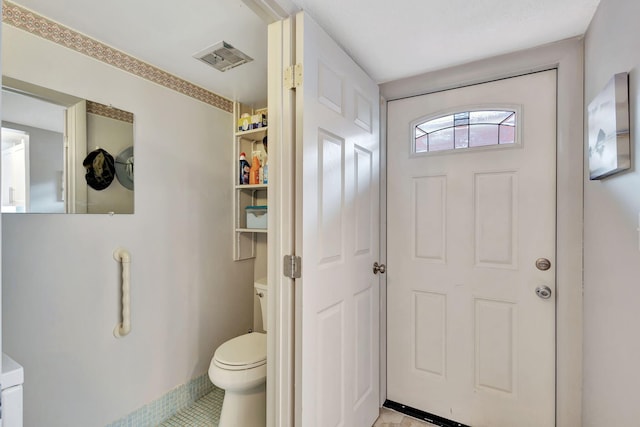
(468, 339)
(281, 201)
(337, 235)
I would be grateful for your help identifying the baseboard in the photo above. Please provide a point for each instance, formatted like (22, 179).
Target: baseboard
(154, 413)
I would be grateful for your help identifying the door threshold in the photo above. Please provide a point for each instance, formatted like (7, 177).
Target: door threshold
(421, 415)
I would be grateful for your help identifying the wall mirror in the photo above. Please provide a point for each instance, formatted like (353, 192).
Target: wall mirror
(63, 154)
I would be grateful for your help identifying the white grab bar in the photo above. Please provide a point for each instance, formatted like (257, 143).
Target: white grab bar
(122, 329)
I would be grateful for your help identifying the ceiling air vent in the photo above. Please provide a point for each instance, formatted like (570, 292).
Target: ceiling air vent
(222, 56)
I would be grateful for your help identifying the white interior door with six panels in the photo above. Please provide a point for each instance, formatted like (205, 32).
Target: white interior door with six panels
(337, 235)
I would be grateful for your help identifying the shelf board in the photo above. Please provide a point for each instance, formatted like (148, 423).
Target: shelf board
(251, 230)
(252, 131)
(251, 186)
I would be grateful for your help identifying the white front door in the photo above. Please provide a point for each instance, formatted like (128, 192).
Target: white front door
(337, 235)
(469, 339)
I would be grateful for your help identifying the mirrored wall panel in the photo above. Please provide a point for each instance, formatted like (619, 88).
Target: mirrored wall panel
(63, 154)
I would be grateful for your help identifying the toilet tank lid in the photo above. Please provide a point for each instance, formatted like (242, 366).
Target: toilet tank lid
(12, 372)
(244, 350)
(261, 282)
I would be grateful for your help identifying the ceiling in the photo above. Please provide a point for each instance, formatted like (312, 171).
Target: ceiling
(389, 39)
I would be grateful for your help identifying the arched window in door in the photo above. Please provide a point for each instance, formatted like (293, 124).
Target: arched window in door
(465, 129)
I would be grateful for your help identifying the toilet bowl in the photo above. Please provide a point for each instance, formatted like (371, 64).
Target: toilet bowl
(239, 367)
(11, 381)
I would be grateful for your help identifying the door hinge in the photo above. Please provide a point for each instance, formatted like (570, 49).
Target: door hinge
(293, 76)
(292, 266)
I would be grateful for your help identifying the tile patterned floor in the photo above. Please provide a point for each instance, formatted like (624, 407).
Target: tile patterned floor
(390, 418)
(205, 412)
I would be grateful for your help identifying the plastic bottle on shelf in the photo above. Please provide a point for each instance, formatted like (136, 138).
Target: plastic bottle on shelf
(254, 177)
(261, 174)
(244, 122)
(265, 171)
(245, 169)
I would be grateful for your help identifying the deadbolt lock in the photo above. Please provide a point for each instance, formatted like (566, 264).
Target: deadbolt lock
(543, 264)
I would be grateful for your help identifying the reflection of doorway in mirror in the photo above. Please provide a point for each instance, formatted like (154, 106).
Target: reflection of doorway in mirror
(15, 170)
(43, 122)
(63, 129)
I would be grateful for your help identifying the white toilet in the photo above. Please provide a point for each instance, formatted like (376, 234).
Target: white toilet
(239, 367)
(11, 381)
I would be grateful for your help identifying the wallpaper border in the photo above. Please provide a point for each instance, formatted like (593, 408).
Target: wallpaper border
(40, 26)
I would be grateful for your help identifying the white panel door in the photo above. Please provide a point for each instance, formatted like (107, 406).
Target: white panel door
(337, 235)
(468, 338)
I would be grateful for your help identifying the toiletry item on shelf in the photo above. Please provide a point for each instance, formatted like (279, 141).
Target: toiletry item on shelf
(261, 175)
(265, 172)
(258, 121)
(254, 177)
(245, 169)
(244, 122)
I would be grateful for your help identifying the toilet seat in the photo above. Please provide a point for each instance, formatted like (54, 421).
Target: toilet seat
(244, 352)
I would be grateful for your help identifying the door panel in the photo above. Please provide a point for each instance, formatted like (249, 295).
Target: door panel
(468, 339)
(429, 217)
(331, 168)
(337, 235)
(496, 219)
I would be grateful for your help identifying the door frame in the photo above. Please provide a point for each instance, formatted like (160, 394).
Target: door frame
(567, 57)
(281, 226)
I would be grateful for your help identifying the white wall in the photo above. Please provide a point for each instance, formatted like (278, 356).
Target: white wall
(611, 255)
(60, 281)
